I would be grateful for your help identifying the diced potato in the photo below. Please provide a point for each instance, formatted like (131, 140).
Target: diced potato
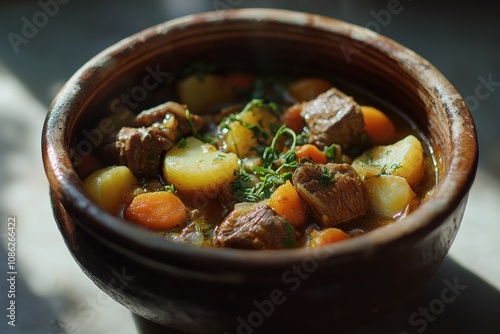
(198, 166)
(389, 195)
(107, 186)
(404, 158)
(202, 95)
(240, 139)
(308, 88)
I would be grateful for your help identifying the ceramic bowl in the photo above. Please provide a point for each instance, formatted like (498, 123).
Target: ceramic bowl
(204, 290)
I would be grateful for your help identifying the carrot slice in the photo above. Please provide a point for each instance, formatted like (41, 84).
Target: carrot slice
(311, 152)
(292, 118)
(327, 236)
(379, 127)
(241, 80)
(156, 210)
(285, 201)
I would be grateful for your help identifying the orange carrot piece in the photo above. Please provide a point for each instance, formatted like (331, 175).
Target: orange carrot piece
(156, 210)
(327, 236)
(285, 201)
(241, 80)
(292, 118)
(379, 127)
(311, 152)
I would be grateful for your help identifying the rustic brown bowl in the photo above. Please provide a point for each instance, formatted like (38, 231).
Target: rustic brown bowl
(200, 290)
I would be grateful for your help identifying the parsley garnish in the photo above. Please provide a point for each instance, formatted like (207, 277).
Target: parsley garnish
(219, 157)
(395, 166)
(187, 113)
(242, 187)
(331, 151)
(326, 177)
(289, 241)
(182, 143)
(171, 188)
(270, 179)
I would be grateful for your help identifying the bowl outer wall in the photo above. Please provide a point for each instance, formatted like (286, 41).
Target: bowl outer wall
(435, 92)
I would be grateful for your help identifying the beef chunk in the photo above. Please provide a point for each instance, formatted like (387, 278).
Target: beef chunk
(333, 117)
(333, 192)
(162, 112)
(253, 227)
(140, 147)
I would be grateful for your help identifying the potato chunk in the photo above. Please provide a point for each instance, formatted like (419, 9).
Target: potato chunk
(241, 139)
(203, 94)
(197, 166)
(107, 186)
(404, 158)
(388, 195)
(308, 88)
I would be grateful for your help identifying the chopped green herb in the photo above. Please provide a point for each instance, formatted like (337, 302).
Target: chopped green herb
(326, 177)
(182, 143)
(383, 171)
(270, 179)
(219, 157)
(290, 241)
(191, 123)
(203, 228)
(369, 162)
(242, 187)
(171, 188)
(331, 151)
(396, 166)
(302, 139)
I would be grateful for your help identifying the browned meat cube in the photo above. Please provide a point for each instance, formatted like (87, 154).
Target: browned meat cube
(256, 228)
(141, 148)
(153, 132)
(333, 117)
(160, 113)
(333, 192)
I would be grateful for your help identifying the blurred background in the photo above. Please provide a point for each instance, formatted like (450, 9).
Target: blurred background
(42, 43)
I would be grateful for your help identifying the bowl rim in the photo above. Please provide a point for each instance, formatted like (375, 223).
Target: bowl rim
(451, 190)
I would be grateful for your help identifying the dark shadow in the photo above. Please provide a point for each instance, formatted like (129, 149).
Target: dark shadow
(454, 301)
(33, 315)
(474, 308)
